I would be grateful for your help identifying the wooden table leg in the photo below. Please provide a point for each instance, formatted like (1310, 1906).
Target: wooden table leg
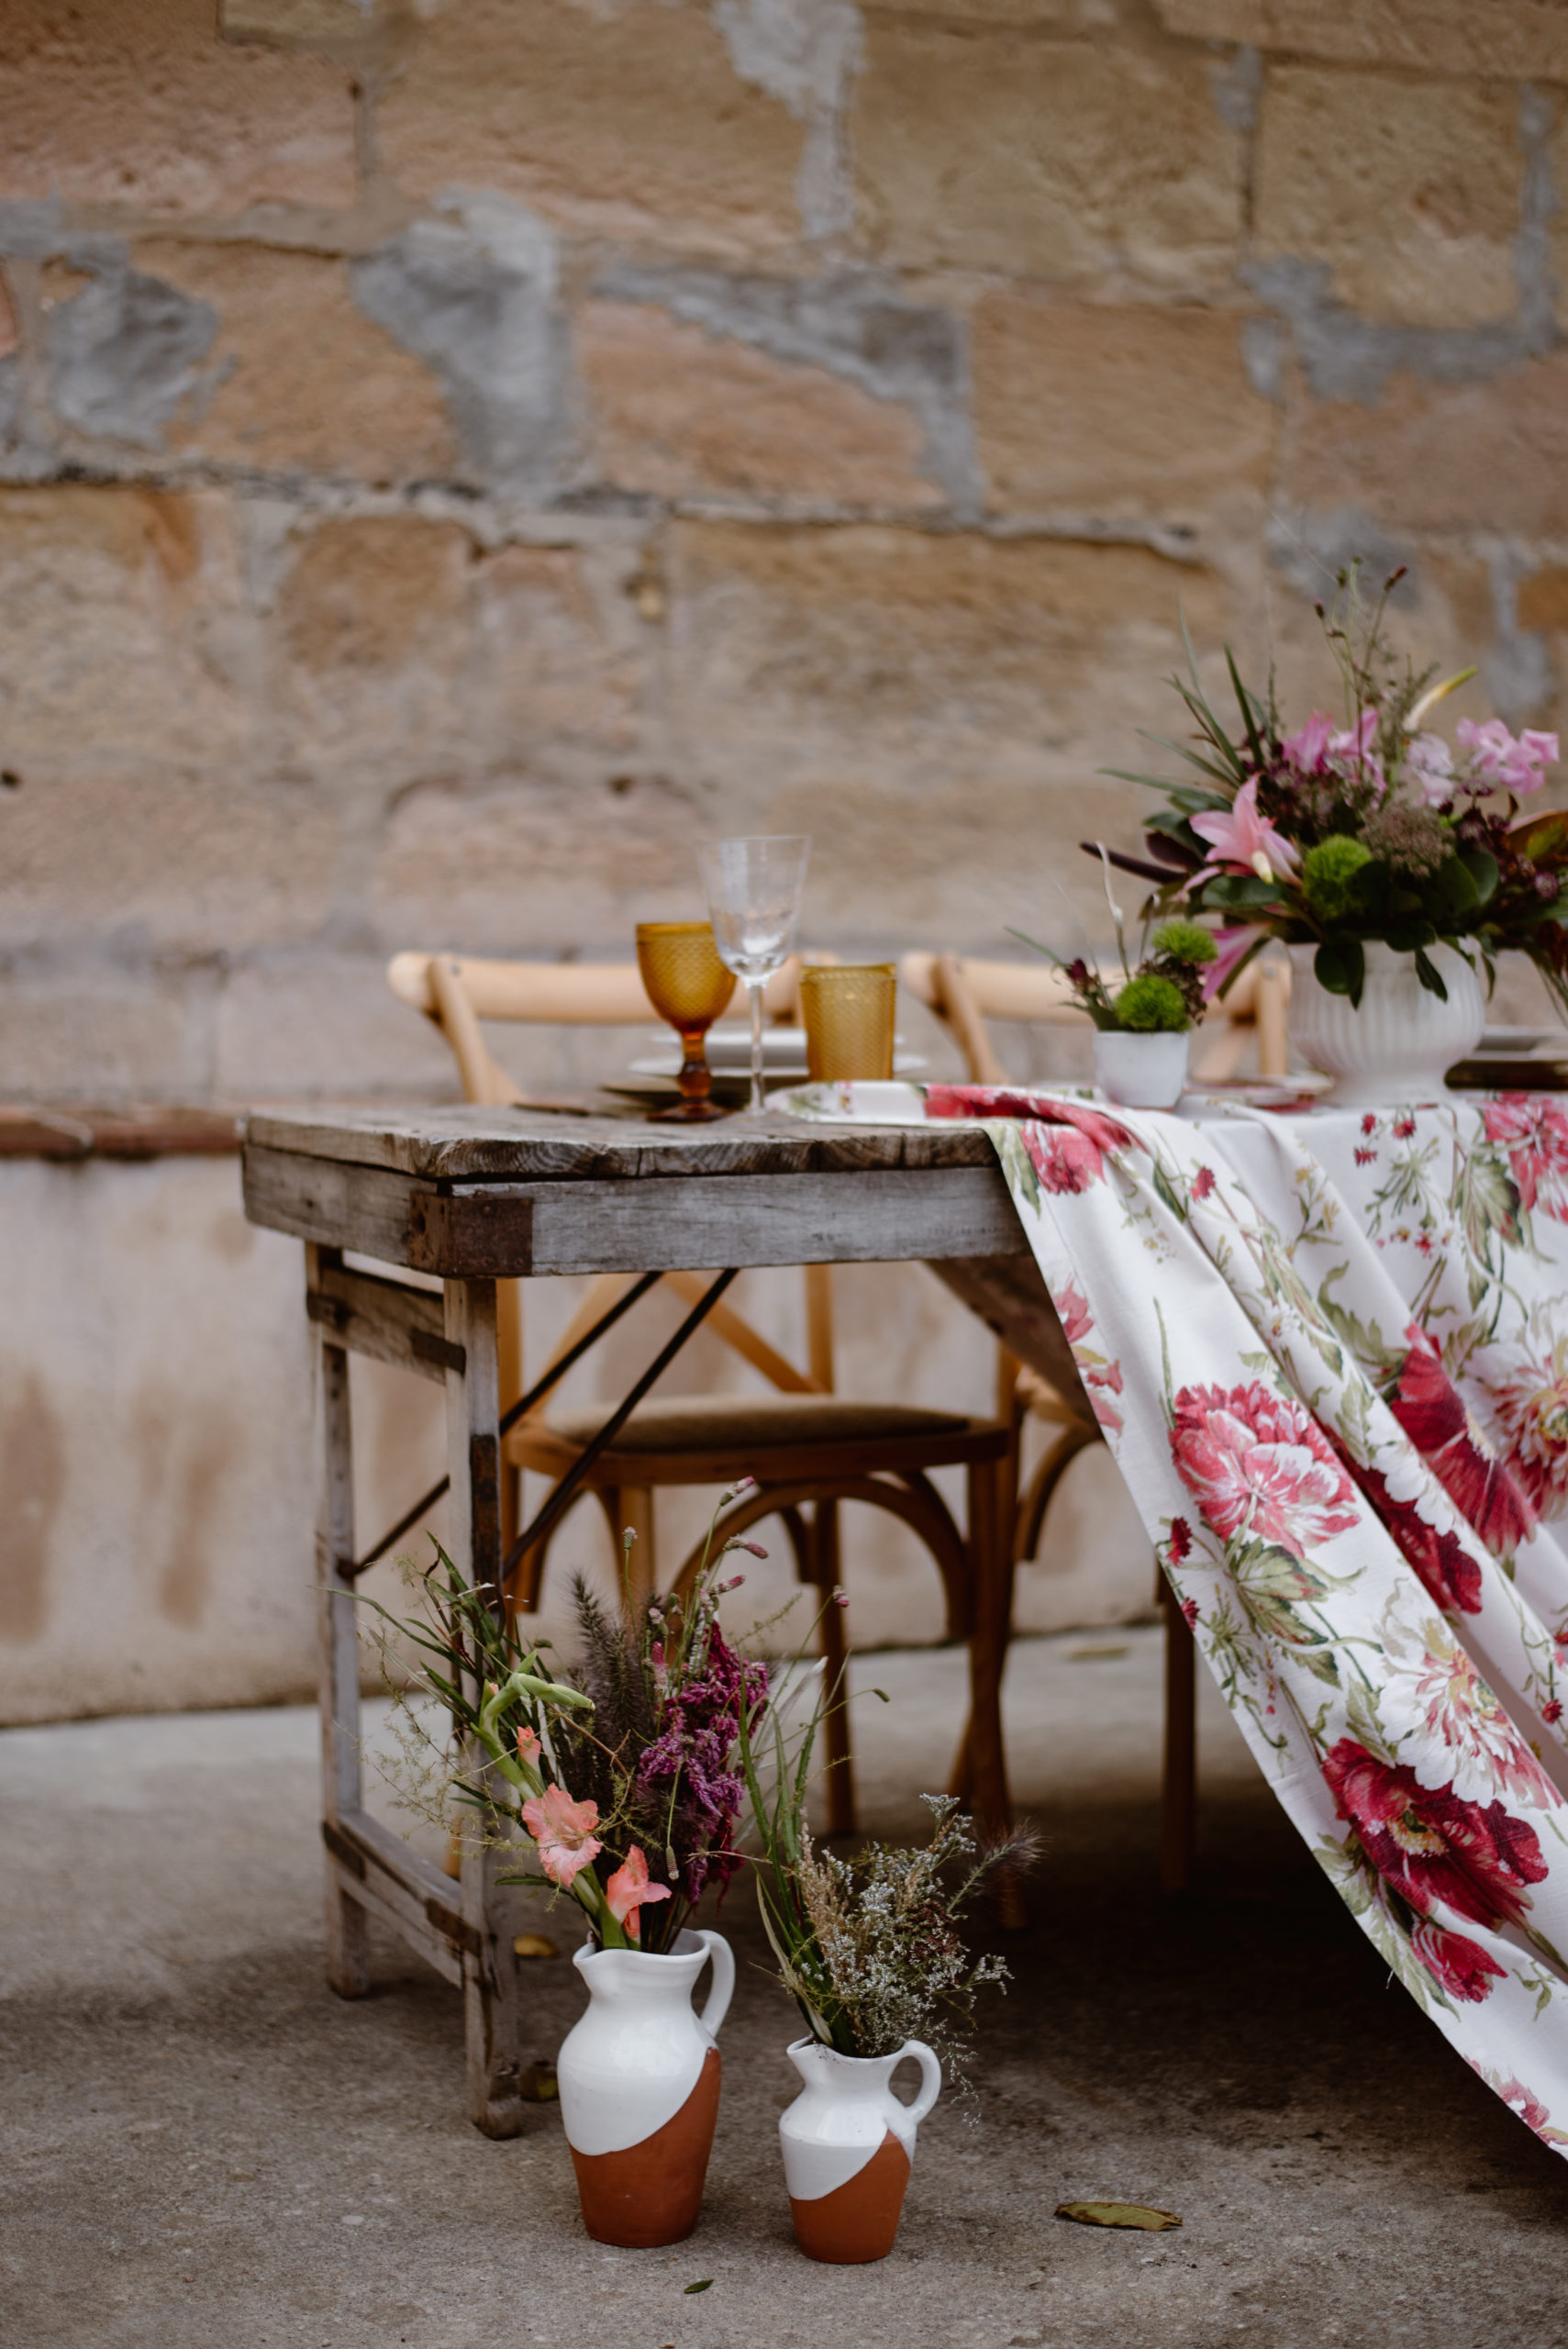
(490, 1980)
(1178, 1791)
(348, 1927)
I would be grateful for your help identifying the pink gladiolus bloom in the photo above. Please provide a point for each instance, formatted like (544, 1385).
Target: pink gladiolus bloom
(527, 1747)
(1430, 762)
(563, 1830)
(628, 1892)
(1239, 837)
(1500, 763)
(1230, 945)
(1307, 748)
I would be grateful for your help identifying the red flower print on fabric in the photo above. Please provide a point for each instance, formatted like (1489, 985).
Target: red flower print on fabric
(1431, 1411)
(1534, 1133)
(1181, 1540)
(1450, 1575)
(1431, 1845)
(1203, 1183)
(1529, 1404)
(1100, 1374)
(1456, 1963)
(1068, 1125)
(1258, 1465)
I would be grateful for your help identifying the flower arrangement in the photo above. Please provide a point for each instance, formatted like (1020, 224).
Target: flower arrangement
(1163, 997)
(873, 1950)
(1368, 830)
(621, 1771)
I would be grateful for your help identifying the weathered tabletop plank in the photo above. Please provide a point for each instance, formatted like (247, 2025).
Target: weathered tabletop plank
(463, 1143)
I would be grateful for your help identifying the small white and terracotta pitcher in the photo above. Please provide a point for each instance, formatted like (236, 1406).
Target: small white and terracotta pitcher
(847, 2145)
(639, 2076)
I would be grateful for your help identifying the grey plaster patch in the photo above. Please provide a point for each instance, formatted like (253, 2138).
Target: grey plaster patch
(1313, 544)
(1238, 84)
(1346, 357)
(1538, 202)
(10, 395)
(125, 352)
(806, 53)
(1517, 668)
(474, 295)
(855, 324)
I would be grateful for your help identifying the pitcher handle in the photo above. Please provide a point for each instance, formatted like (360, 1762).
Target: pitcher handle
(931, 2080)
(718, 1998)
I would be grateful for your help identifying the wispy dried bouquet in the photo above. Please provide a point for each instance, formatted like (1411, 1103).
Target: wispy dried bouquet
(622, 1769)
(873, 1950)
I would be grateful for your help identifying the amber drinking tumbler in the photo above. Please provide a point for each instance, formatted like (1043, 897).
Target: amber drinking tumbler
(689, 987)
(848, 1012)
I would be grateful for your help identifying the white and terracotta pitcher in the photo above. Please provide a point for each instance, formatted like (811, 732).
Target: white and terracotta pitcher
(639, 2076)
(847, 2145)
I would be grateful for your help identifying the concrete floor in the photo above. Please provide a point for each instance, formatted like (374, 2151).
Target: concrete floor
(200, 2145)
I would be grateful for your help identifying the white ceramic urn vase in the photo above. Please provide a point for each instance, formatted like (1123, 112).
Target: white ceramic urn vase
(849, 2143)
(639, 2076)
(1141, 1070)
(1398, 1042)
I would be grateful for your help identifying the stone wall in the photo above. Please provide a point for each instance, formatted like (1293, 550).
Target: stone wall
(451, 455)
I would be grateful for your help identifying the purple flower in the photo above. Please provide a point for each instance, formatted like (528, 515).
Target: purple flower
(1500, 762)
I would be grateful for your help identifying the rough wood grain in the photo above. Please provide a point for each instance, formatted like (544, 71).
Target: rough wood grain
(348, 1948)
(400, 1888)
(387, 1319)
(338, 1206)
(460, 1144)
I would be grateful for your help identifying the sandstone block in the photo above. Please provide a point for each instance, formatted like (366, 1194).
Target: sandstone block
(148, 106)
(1439, 457)
(373, 646)
(309, 1021)
(1507, 39)
(96, 1029)
(199, 863)
(680, 412)
(122, 627)
(297, 379)
(1409, 190)
(633, 124)
(933, 708)
(1115, 412)
(568, 659)
(517, 865)
(1056, 160)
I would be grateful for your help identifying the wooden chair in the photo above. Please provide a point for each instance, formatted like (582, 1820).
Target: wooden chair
(809, 1449)
(965, 993)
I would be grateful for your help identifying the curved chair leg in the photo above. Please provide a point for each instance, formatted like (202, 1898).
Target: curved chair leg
(838, 1777)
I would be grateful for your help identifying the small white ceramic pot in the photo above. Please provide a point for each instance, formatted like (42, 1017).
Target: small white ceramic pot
(1398, 1045)
(848, 2146)
(1142, 1071)
(639, 2076)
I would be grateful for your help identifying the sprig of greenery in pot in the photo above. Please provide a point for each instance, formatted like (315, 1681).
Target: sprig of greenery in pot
(1164, 995)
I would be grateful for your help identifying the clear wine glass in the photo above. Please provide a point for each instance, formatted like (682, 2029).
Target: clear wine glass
(753, 900)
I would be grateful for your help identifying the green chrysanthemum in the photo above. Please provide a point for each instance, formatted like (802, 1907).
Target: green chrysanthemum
(1184, 942)
(1327, 871)
(1150, 1004)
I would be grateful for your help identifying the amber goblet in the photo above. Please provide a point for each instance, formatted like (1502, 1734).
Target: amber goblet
(689, 987)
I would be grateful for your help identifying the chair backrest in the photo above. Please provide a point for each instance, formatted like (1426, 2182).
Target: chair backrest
(965, 992)
(457, 991)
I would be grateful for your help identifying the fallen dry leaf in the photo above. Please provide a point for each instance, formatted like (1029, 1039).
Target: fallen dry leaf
(1119, 2214)
(535, 1945)
(538, 2085)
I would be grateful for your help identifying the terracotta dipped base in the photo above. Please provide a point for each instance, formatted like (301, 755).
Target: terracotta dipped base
(651, 2193)
(858, 2220)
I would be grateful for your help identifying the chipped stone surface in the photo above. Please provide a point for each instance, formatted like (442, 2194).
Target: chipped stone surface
(126, 354)
(296, 379)
(140, 105)
(1098, 412)
(633, 124)
(1410, 193)
(1053, 160)
(681, 411)
(1513, 38)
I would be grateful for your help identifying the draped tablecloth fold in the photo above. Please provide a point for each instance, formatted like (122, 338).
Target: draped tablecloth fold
(1330, 1353)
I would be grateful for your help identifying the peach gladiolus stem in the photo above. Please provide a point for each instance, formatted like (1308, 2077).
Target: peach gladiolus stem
(520, 1769)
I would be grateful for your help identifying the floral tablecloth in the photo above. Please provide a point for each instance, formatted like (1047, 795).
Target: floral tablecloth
(1329, 1352)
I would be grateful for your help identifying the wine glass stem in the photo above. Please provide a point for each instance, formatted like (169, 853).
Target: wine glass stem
(754, 992)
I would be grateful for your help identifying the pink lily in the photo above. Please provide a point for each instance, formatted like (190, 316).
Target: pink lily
(1430, 762)
(563, 1830)
(1500, 763)
(1243, 841)
(1307, 748)
(1231, 947)
(628, 1892)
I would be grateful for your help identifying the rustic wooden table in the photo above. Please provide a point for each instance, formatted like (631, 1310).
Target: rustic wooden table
(477, 1194)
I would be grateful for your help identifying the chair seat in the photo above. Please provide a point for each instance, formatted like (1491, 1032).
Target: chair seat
(712, 1439)
(699, 1422)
